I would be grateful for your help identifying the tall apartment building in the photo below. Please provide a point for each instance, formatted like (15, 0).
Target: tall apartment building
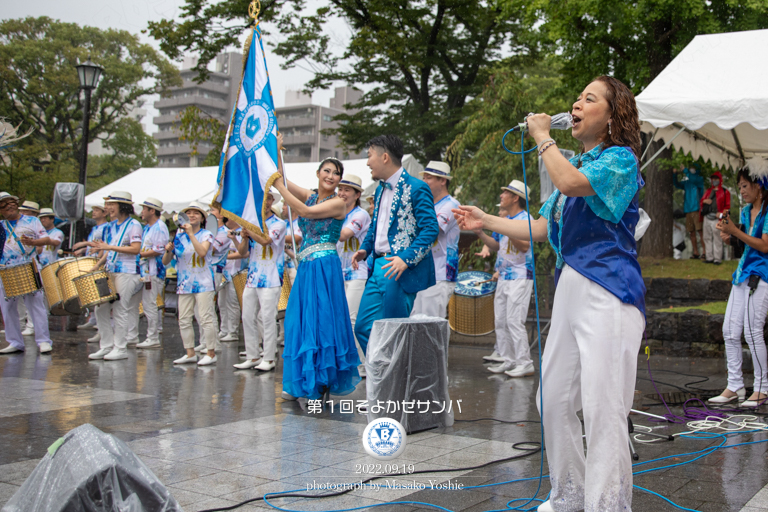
(300, 121)
(215, 97)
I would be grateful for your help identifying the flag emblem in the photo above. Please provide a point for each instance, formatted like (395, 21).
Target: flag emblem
(252, 126)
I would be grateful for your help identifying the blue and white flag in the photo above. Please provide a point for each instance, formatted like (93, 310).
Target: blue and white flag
(248, 164)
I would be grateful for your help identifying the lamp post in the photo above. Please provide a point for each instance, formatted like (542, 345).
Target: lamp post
(89, 74)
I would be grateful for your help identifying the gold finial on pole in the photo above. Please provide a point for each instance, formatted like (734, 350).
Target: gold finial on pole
(253, 11)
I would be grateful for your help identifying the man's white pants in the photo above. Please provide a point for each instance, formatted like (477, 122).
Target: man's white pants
(746, 314)
(510, 307)
(23, 316)
(713, 244)
(434, 300)
(229, 308)
(124, 311)
(37, 310)
(149, 301)
(260, 321)
(200, 306)
(590, 364)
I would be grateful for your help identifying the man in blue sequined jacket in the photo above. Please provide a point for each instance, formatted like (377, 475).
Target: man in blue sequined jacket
(403, 229)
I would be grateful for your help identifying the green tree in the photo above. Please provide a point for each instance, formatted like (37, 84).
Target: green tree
(195, 126)
(419, 60)
(39, 87)
(634, 41)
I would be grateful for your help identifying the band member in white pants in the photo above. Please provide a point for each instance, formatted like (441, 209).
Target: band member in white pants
(120, 250)
(434, 300)
(353, 233)
(262, 290)
(23, 234)
(153, 243)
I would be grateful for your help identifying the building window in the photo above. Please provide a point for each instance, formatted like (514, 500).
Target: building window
(327, 118)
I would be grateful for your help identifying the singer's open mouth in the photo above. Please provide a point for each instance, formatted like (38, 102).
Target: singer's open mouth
(576, 121)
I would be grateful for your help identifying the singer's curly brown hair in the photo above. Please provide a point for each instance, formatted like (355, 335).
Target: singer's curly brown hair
(625, 121)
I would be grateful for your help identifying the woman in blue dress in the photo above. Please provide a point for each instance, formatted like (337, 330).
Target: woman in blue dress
(320, 355)
(598, 315)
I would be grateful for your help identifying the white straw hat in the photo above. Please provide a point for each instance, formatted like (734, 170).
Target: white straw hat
(517, 187)
(119, 196)
(439, 169)
(151, 202)
(350, 180)
(30, 206)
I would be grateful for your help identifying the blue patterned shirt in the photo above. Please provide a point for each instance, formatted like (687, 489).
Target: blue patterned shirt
(123, 235)
(512, 263)
(445, 249)
(266, 263)
(154, 238)
(16, 253)
(194, 273)
(50, 252)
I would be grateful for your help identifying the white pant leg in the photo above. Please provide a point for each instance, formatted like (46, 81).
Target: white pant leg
(125, 310)
(24, 317)
(207, 319)
(104, 323)
(37, 312)
(518, 301)
(250, 328)
(292, 275)
(268, 299)
(434, 300)
(186, 304)
(501, 306)
(229, 309)
(713, 244)
(590, 363)
(10, 310)
(149, 301)
(754, 321)
(733, 326)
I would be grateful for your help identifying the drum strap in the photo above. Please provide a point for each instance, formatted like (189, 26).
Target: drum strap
(12, 231)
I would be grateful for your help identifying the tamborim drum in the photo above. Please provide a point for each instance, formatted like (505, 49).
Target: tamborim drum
(239, 281)
(470, 310)
(95, 288)
(20, 280)
(67, 272)
(160, 302)
(52, 287)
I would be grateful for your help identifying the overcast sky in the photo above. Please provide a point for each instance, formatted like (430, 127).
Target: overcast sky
(133, 16)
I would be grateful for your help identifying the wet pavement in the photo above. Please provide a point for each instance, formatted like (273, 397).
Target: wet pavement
(216, 436)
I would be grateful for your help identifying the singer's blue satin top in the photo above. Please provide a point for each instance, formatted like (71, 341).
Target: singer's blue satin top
(595, 235)
(752, 262)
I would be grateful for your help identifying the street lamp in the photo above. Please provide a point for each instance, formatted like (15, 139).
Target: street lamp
(89, 74)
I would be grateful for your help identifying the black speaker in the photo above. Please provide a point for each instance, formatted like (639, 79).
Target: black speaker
(88, 470)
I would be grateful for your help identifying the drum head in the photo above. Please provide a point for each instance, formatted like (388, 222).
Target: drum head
(474, 284)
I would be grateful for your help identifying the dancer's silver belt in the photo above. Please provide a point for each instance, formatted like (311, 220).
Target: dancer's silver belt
(315, 248)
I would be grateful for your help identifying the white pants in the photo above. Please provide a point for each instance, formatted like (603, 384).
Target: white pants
(149, 301)
(713, 244)
(590, 364)
(510, 307)
(23, 316)
(229, 308)
(354, 291)
(260, 321)
(37, 310)
(434, 300)
(746, 314)
(200, 306)
(125, 312)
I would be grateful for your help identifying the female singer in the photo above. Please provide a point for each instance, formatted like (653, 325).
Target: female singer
(598, 314)
(320, 355)
(748, 303)
(195, 285)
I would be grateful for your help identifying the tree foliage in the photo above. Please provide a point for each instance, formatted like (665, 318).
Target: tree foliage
(39, 87)
(195, 126)
(419, 60)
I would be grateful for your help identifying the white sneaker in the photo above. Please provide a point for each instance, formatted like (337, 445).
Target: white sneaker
(28, 331)
(495, 357)
(10, 349)
(287, 397)
(230, 337)
(720, 399)
(45, 348)
(521, 371)
(501, 368)
(545, 507)
(133, 342)
(221, 334)
(94, 339)
(148, 344)
(247, 364)
(186, 359)
(205, 361)
(265, 366)
(100, 353)
(85, 326)
(116, 354)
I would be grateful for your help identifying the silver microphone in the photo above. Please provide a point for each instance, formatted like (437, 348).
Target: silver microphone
(561, 121)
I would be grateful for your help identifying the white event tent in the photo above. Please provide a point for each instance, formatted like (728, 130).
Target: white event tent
(178, 186)
(712, 100)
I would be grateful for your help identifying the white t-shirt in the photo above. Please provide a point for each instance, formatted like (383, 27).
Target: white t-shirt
(155, 238)
(358, 221)
(123, 235)
(445, 250)
(511, 263)
(194, 273)
(289, 245)
(50, 253)
(16, 253)
(266, 263)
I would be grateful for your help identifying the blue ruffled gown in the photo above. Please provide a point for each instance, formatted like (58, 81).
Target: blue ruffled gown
(320, 349)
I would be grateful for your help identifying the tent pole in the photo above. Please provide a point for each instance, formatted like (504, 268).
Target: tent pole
(648, 146)
(662, 149)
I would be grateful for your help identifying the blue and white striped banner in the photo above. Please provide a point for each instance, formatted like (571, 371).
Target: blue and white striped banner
(248, 164)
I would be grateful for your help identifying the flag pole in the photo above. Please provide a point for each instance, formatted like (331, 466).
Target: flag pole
(290, 214)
